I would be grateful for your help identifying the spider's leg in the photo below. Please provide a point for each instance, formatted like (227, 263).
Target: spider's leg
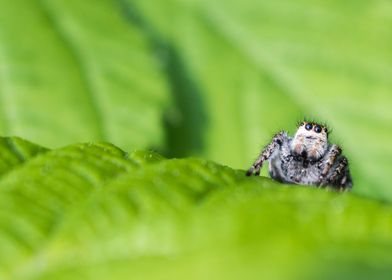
(337, 173)
(344, 184)
(250, 171)
(344, 180)
(329, 160)
(266, 153)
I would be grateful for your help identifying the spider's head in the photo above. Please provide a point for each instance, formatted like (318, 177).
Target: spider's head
(310, 140)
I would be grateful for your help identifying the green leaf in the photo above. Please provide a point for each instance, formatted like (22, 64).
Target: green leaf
(234, 73)
(76, 71)
(16, 151)
(263, 65)
(39, 193)
(93, 211)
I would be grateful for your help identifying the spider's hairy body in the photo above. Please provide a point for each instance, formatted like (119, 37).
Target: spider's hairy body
(307, 158)
(283, 165)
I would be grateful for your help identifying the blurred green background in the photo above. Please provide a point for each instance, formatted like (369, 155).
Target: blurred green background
(212, 79)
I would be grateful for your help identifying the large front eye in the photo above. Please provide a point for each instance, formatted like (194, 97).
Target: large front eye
(308, 126)
(317, 128)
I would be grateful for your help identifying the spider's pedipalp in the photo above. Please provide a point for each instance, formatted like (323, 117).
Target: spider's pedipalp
(330, 159)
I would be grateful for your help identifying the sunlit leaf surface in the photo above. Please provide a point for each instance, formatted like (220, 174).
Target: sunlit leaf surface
(213, 79)
(93, 211)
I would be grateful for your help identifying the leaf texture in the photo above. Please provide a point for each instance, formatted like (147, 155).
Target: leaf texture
(92, 211)
(75, 71)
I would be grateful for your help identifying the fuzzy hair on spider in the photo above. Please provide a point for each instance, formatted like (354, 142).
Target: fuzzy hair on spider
(308, 158)
(310, 141)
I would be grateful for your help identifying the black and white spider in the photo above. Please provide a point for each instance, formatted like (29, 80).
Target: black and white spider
(307, 158)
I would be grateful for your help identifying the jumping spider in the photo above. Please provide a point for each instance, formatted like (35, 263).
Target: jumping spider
(307, 158)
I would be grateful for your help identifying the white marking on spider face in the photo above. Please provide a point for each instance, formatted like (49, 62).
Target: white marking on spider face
(309, 142)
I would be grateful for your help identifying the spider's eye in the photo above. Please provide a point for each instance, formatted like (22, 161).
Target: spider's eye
(308, 126)
(317, 128)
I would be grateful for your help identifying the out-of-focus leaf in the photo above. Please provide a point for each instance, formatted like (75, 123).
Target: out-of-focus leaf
(237, 71)
(35, 197)
(77, 71)
(240, 99)
(15, 151)
(92, 211)
(263, 64)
